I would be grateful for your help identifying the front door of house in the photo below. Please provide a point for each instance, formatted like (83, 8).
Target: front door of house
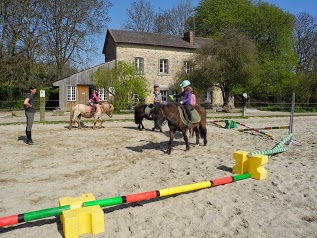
(82, 94)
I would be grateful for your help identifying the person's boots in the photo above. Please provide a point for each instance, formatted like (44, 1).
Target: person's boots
(27, 137)
(29, 140)
(189, 123)
(93, 109)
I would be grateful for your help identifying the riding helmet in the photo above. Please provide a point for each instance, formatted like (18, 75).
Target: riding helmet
(185, 83)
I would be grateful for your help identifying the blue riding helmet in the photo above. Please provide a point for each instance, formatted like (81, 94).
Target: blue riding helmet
(185, 83)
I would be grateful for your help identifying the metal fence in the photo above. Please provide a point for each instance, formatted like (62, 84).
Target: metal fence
(127, 106)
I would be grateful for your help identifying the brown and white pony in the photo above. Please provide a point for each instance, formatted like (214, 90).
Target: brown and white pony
(83, 110)
(171, 114)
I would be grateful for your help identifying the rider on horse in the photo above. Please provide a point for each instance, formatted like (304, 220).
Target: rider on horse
(94, 99)
(186, 102)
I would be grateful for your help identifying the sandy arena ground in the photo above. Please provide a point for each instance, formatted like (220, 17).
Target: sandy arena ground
(119, 159)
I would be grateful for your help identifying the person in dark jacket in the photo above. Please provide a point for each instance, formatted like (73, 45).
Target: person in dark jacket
(30, 109)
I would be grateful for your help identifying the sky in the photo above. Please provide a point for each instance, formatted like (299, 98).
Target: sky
(118, 14)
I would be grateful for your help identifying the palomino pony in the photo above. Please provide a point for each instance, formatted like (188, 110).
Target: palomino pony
(171, 113)
(84, 110)
(142, 111)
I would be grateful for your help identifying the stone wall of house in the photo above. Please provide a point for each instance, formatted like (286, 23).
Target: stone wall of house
(152, 55)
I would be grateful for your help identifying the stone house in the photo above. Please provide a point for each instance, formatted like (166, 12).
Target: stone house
(159, 57)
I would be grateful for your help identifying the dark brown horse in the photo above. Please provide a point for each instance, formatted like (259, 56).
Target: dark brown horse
(140, 112)
(171, 113)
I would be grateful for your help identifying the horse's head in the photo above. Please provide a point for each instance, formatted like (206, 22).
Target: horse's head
(158, 115)
(107, 108)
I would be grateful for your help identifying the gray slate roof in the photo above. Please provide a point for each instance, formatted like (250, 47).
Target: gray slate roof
(155, 39)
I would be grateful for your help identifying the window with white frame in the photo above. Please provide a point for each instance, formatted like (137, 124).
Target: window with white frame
(187, 67)
(139, 64)
(71, 93)
(164, 95)
(102, 94)
(164, 66)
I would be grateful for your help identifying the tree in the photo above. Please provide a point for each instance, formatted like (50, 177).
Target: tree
(269, 26)
(72, 23)
(178, 16)
(214, 16)
(230, 63)
(272, 29)
(305, 42)
(48, 31)
(141, 17)
(125, 80)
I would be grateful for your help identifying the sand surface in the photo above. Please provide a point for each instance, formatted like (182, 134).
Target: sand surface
(119, 159)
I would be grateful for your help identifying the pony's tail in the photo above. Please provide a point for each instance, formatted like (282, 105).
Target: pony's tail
(136, 115)
(71, 115)
(202, 131)
(203, 125)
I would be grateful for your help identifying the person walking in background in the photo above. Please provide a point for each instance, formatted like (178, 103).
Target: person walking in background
(157, 96)
(186, 100)
(94, 99)
(244, 103)
(30, 109)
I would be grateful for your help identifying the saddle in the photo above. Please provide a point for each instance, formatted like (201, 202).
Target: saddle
(88, 108)
(148, 110)
(184, 117)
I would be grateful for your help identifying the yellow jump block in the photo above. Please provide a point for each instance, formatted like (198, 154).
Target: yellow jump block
(253, 165)
(81, 220)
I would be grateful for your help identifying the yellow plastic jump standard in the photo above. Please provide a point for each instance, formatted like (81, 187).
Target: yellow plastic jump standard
(81, 220)
(76, 202)
(256, 168)
(85, 220)
(253, 165)
(242, 164)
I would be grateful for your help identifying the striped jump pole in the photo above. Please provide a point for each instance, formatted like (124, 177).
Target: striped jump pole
(264, 128)
(56, 211)
(259, 131)
(276, 149)
(212, 121)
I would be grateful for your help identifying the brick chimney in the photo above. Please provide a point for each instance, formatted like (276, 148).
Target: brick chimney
(189, 37)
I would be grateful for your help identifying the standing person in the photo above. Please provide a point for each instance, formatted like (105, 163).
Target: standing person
(186, 100)
(157, 100)
(30, 109)
(157, 96)
(193, 97)
(94, 99)
(244, 103)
